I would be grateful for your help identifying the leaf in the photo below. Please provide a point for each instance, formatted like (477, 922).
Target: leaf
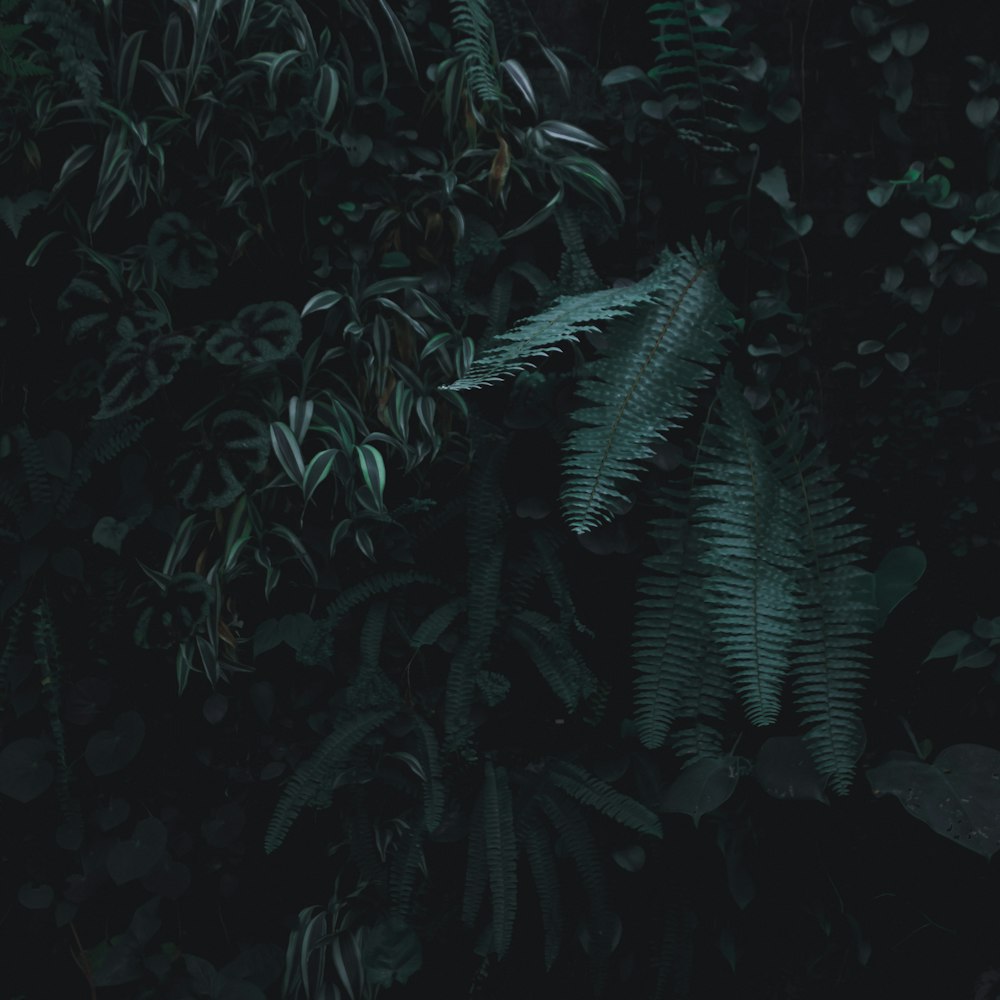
(522, 81)
(24, 772)
(624, 74)
(981, 110)
(110, 750)
(919, 226)
(896, 577)
(958, 796)
(565, 132)
(909, 39)
(268, 331)
(870, 346)
(286, 447)
(183, 255)
(15, 212)
(631, 858)
(702, 787)
(322, 301)
(372, 469)
(774, 184)
(139, 854)
(326, 93)
(854, 223)
(317, 470)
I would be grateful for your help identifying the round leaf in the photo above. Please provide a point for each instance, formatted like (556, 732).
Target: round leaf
(140, 854)
(702, 787)
(24, 771)
(909, 39)
(112, 749)
(981, 110)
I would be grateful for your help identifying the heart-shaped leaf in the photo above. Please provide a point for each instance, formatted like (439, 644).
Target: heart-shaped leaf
(112, 749)
(139, 854)
(24, 771)
(958, 796)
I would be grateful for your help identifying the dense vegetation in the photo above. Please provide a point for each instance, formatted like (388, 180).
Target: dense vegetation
(495, 498)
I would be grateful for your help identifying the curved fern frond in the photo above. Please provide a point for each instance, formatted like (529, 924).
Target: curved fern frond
(599, 795)
(565, 321)
(76, 45)
(39, 485)
(745, 515)
(576, 272)
(565, 816)
(542, 863)
(835, 622)
(485, 543)
(696, 66)
(471, 18)
(644, 385)
(405, 865)
(671, 629)
(48, 658)
(314, 778)
(558, 661)
(318, 647)
(501, 854)
(430, 758)
(107, 439)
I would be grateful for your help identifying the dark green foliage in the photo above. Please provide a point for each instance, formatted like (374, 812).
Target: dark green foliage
(695, 66)
(313, 779)
(269, 573)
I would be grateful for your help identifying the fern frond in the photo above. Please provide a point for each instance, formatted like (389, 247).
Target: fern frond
(476, 875)
(501, 854)
(558, 661)
(15, 617)
(700, 741)
(542, 863)
(744, 512)
(591, 791)
(405, 865)
(437, 622)
(671, 629)
(471, 19)
(318, 648)
(39, 484)
(76, 45)
(48, 658)
(430, 758)
(485, 543)
(316, 776)
(576, 272)
(696, 65)
(644, 385)
(567, 820)
(835, 623)
(107, 439)
(554, 571)
(565, 321)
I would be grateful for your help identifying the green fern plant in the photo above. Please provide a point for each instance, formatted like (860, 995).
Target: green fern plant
(76, 46)
(534, 809)
(695, 66)
(760, 580)
(478, 47)
(16, 60)
(665, 333)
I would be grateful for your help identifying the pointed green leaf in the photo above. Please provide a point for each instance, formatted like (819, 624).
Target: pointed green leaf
(286, 447)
